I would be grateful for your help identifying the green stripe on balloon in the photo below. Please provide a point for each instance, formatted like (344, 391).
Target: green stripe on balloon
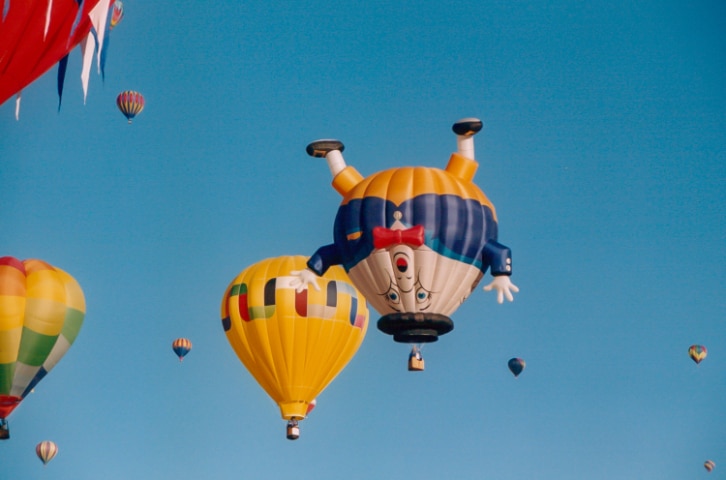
(35, 347)
(6, 377)
(72, 325)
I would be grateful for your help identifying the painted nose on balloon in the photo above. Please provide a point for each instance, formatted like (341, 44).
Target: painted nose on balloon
(402, 265)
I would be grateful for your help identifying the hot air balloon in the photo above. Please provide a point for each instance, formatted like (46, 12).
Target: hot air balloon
(130, 103)
(41, 312)
(697, 353)
(181, 347)
(414, 240)
(37, 34)
(709, 465)
(117, 14)
(294, 343)
(46, 450)
(516, 365)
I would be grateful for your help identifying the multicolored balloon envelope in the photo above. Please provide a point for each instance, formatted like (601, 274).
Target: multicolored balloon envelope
(181, 347)
(516, 366)
(46, 450)
(415, 240)
(709, 465)
(294, 343)
(697, 353)
(130, 103)
(41, 312)
(117, 14)
(34, 37)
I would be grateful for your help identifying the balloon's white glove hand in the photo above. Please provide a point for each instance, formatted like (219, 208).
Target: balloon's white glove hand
(504, 287)
(303, 278)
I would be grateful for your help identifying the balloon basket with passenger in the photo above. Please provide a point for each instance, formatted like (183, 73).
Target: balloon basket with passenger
(293, 429)
(293, 424)
(4, 429)
(415, 360)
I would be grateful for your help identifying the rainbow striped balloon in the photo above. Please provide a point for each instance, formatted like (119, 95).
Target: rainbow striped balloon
(697, 353)
(41, 312)
(130, 103)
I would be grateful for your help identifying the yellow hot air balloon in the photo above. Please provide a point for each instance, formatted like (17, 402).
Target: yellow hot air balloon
(41, 312)
(293, 343)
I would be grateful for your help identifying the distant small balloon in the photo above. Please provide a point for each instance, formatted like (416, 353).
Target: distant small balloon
(709, 465)
(130, 103)
(181, 347)
(697, 353)
(516, 365)
(117, 14)
(46, 450)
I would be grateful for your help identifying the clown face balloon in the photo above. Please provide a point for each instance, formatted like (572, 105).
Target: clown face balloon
(415, 240)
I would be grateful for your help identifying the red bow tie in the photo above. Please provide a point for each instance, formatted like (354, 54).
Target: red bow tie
(385, 237)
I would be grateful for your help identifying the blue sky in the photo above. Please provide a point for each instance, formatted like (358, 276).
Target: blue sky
(603, 149)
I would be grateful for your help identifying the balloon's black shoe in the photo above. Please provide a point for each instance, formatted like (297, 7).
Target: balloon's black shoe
(320, 148)
(467, 127)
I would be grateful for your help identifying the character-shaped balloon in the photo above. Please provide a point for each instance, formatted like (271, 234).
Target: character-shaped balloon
(414, 240)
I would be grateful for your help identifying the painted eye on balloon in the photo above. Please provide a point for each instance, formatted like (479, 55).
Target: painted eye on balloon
(423, 297)
(393, 296)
